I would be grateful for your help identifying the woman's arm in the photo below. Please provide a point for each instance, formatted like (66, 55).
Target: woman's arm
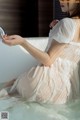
(46, 58)
(55, 50)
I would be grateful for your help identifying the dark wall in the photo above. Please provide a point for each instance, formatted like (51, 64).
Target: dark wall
(10, 18)
(36, 17)
(19, 17)
(45, 14)
(28, 18)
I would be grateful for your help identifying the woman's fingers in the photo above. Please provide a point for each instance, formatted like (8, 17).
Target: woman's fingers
(7, 40)
(12, 40)
(12, 36)
(53, 23)
(3, 36)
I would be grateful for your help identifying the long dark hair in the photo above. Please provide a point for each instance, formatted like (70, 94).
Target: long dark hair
(76, 11)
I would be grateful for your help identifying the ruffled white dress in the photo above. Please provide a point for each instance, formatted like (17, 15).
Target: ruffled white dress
(59, 83)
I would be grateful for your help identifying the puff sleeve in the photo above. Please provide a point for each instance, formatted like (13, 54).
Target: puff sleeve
(63, 31)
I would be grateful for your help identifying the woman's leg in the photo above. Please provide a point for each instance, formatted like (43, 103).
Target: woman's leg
(9, 83)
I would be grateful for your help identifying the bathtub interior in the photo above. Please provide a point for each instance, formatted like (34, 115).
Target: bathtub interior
(14, 61)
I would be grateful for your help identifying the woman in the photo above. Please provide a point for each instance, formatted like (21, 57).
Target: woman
(56, 80)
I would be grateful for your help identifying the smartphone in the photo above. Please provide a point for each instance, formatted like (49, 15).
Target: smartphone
(1, 33)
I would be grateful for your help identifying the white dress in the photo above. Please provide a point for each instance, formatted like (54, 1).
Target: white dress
(59, 83)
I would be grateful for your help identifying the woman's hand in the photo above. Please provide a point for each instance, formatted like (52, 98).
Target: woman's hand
(12, 40)
(53, 23)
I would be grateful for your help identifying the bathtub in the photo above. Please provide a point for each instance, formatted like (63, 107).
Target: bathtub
(14, 61)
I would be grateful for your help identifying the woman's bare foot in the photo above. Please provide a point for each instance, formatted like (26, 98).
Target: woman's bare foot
(3, 93)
